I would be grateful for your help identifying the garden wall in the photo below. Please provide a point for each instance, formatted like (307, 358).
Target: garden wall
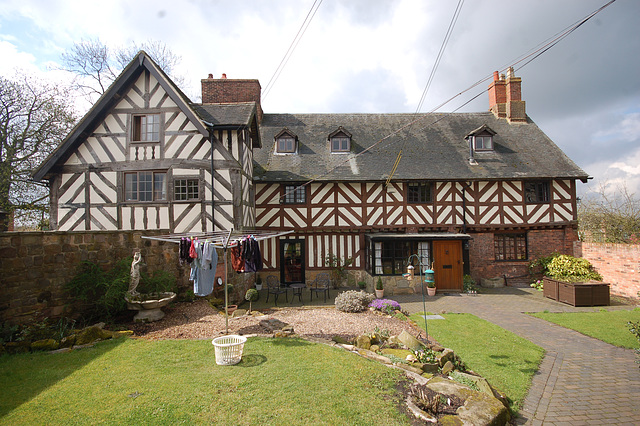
(34, 266)
(619, 265)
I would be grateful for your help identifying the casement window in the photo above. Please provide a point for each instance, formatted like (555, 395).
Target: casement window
(536, 192)
(390, 257)
(510, 246)
(286, 144)
(483, 143)
(146, 128)
(186, 189)
(294, 194)
(145, 186)
(418, 193)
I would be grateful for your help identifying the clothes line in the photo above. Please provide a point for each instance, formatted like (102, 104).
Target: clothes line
(221, 239)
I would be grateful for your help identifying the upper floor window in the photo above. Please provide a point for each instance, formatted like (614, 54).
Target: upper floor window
(294, 194)
(510, 246)
(145, 186)
(483, 143)
(146, 128)
(340, 140)
(186, 189)
(536, 192)
(286, 142)
(419, 193)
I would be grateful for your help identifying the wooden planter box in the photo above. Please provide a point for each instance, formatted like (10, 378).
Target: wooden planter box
(577, 294)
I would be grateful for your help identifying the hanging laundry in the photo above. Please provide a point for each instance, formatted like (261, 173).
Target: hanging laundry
(252, 255)
(203, 270)
(183, 251)
(192, 250)
(237, 262)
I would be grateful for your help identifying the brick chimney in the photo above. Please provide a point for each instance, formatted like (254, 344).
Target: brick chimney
(225, 91)
(498, 96)
(505, 97)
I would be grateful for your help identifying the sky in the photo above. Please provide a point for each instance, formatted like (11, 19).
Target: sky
(376, 56)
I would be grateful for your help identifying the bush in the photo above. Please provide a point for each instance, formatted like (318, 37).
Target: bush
(634, 328)
(468, 284)
(353, 301)
(540, 266)
(104, 291)
(572, 269)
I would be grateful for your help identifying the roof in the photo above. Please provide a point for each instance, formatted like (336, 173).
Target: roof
(434, 148)
(108, 100)
(230, 116)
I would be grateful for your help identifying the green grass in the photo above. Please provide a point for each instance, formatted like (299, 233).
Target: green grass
(608, 326)
(127, 381)
(506, 360)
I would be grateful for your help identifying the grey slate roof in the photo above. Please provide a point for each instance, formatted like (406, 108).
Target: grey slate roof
(229, 115)
(434, 149)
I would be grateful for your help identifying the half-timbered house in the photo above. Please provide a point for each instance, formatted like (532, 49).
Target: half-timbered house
(478, 193)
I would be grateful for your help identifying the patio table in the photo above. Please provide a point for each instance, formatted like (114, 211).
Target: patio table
(297, 289)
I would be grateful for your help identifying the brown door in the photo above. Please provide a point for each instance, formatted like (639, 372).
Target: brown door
(447, 265)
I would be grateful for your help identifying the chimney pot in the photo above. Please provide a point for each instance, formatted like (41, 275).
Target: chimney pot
(224, 75)
(210, 75)
(496, 77)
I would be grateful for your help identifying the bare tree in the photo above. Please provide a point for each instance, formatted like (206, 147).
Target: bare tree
(610, 216)
(96, 66)
(34, 118)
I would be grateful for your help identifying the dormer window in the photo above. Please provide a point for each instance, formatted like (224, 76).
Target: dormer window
(286, 142)
(146, 128)
(483, 142)
(340, 141)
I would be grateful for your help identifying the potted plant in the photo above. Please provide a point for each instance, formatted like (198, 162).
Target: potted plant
(258, 283)
(379, 289)
(251, 296)
(431, 288)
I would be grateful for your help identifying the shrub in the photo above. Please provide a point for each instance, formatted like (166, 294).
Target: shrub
(572, 269)
(540, 266)
(353, 301)
(538, 285)
(469, 284)
(385, 305)
(634, 328)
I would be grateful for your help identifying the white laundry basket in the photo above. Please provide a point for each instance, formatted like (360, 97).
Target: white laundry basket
(229, 349)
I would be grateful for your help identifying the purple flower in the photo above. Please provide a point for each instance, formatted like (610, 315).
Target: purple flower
(385, 305)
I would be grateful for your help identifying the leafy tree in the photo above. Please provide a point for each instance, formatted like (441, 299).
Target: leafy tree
(610, 216)
(97, 65)
(34, 118)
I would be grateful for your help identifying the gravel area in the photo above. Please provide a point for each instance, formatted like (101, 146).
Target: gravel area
(198, 320)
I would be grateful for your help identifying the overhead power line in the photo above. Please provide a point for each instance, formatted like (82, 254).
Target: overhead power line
(292, 47)
(523, 59)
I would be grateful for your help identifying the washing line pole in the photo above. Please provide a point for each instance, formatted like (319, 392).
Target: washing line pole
(424, 304)
(226, 280)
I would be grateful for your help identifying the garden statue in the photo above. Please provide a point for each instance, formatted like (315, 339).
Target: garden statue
(148, 305)
(135, 274)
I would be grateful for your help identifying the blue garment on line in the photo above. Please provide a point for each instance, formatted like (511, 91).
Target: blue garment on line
(203, 268)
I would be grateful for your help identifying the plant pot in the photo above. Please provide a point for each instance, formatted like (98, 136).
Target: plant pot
(431, 291)
(231, 309)
(379, 294)
(258, 287)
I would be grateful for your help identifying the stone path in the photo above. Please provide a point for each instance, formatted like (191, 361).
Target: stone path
(581, 380)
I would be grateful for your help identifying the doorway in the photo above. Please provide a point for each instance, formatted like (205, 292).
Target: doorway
(447, 256)
(292, 261)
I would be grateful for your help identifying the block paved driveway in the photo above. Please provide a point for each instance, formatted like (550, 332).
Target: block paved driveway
(581, 380)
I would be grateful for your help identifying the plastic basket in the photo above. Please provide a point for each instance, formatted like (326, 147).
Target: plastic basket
(229, 349)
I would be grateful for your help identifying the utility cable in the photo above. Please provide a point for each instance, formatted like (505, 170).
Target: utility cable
(292, 47)
(447, 36)
(527, 58)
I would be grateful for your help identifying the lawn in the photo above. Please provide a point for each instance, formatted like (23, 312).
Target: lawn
(130, 381)
(506, 360)
(608, 326)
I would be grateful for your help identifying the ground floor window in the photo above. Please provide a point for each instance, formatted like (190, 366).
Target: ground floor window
(186, 189)
(390, 256)
(510, 246)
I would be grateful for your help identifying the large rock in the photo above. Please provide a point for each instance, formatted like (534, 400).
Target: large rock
(492, 282)
(374, 356)
(409, 341)
(363, 341)
(479, 409)
(445, 356)
(45, 345)
(92, 334)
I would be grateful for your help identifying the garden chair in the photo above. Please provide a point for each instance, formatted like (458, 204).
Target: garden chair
(274, 287)
(321, 284)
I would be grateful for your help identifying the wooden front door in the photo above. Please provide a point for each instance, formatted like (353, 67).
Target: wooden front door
(447, 265)
(292, 261)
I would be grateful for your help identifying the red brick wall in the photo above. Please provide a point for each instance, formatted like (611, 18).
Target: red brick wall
(619, 265)
(540, 243)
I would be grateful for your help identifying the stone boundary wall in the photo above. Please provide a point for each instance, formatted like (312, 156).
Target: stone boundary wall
(34, 266)
(619, 265)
